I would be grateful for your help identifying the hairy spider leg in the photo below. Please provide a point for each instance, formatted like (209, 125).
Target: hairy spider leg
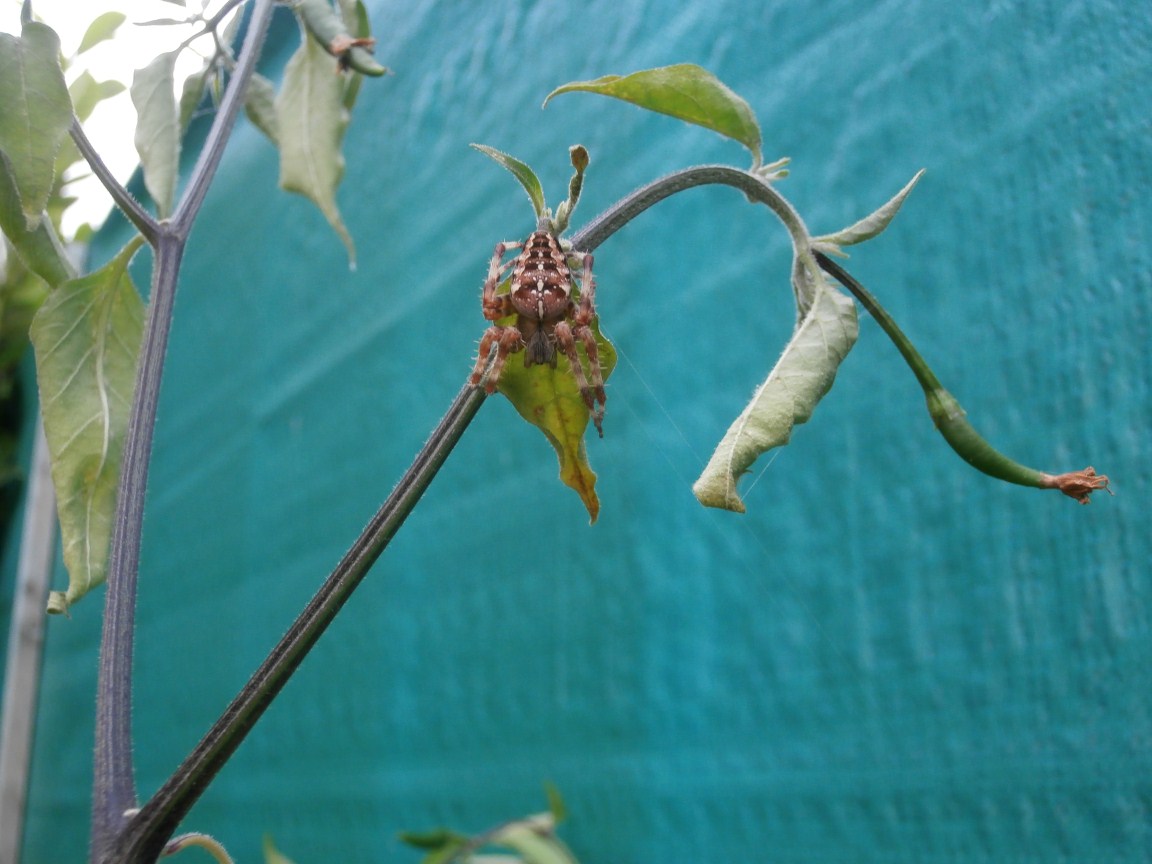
(591, 384)
(508, 341)
(496, 306)
(493, 305)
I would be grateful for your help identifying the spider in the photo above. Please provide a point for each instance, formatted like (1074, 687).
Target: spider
(547, 316)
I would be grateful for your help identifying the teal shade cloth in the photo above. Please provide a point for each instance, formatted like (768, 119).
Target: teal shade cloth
(889, 658)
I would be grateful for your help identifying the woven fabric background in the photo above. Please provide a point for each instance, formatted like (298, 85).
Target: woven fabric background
(889, 658)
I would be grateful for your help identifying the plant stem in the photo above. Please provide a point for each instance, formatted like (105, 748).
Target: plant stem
(114, 785)
(136, 214)
(230, 106)
(149, 829)
(114, 790)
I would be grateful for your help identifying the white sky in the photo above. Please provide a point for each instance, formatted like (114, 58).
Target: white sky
(112, 124)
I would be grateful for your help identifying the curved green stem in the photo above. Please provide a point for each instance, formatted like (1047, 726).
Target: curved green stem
(950, 417)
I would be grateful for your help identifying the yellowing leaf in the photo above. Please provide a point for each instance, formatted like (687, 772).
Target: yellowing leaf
(87, 340)
(550, 400)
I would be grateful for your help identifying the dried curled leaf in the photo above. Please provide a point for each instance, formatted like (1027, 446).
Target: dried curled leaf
(803, 374)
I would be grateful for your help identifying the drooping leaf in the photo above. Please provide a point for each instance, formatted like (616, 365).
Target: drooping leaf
(38, 247)
(801, 377)
(311, 120)
(869, 226)
(35, 114)
(685, 91)
(101, 30)
(521, 172)
(260, 106)
(87, 339)
(550, 400)
(158, 129)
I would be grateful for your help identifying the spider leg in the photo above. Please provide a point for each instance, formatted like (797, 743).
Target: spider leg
(593, 395)
(496, 306)
(507, 340)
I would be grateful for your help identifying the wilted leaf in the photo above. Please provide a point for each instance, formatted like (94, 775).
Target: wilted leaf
(685, 91)
(521, 172)
(870, 225)
(158, 130)
(801, 377)
(550, 400)
(39, 247)
(260, 106)
(101, 30)
(87, 339)
(311, 120)
(35, 115)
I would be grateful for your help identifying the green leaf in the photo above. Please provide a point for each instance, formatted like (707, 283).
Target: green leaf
(260, 106)
(685, 91)
(36, 114)
(556, 805)
(521, 172)
(87, 93)
(311, 120)
(550, 400)
(87, 339)
(158, 129)
(101, 30)
(192, 94)
(801, 377)
(38, 247)
(434, 839)
(869, 226)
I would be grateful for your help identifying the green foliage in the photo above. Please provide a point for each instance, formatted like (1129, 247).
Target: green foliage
(521, 172)
(311, 119)
(685, 91)
(87, 338)
(531, 840)
(158, 129)
(37, 112)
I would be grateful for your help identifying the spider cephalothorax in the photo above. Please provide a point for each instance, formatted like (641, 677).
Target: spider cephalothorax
(548, 315)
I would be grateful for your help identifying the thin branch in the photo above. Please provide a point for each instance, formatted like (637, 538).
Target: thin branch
(132, 208)
(230, 107)
(149, 829)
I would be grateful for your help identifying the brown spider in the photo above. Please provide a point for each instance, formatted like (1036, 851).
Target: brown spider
(547, 316)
